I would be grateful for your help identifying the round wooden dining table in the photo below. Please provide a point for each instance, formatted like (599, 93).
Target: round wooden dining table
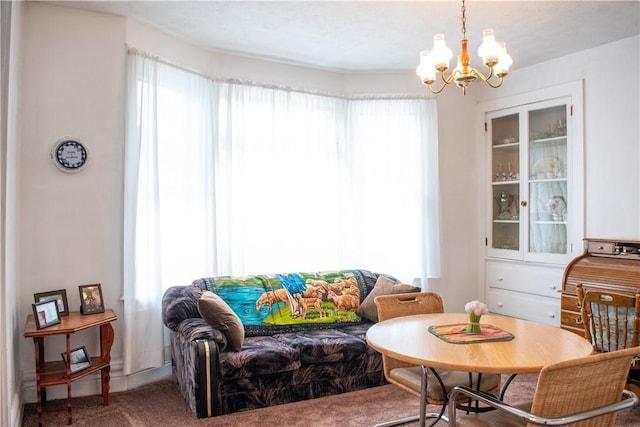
(534, 345)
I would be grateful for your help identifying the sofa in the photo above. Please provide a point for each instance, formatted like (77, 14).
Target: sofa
(239, 343)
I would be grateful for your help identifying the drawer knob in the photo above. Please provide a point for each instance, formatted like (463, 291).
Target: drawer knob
(600, 248)
(553, 287)
(499, 278)
(500, 304)
(552, 314)
(579, 320)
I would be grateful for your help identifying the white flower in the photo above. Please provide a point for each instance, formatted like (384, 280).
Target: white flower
(476, 307)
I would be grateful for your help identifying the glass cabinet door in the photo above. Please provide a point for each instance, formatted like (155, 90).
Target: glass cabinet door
(547, 180)
(530, 183)
(505, 167)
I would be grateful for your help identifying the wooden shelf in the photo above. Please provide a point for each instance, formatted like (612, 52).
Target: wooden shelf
(56, 372)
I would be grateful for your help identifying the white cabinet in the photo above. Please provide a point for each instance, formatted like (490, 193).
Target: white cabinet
(533, 187)
(526, 291)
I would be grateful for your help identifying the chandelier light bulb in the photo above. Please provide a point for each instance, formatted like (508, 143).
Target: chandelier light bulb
(490, 49)
(426, 70)
(440, 54)
(502, 67)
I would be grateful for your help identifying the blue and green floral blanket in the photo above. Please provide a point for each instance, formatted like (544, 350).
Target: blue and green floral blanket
(292, 301)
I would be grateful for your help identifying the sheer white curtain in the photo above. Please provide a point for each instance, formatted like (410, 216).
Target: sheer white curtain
(168, 207)
(224, 178)
(393, 159)
(279, 181)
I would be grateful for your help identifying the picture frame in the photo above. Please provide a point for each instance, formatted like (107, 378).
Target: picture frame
(79, 359)
(46, 314)
(91, 300)
(60, 296)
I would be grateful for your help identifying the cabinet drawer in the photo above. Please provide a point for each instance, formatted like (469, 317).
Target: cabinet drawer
(572, 319)
(570, 303)
(577, 331)
(601, 248)
(523, 306)
(543, 281)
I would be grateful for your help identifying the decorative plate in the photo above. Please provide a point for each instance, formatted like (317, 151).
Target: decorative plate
(547, 168)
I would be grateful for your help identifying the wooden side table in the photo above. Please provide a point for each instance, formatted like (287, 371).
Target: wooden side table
(57, 372)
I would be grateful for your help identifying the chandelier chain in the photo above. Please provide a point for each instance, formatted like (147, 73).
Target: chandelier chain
(464, 21)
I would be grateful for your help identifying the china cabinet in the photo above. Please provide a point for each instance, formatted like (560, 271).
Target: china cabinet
(533, 186)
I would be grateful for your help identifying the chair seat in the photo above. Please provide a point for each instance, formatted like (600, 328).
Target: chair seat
(411, 378)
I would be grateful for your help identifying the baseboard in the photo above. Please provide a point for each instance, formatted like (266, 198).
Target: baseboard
(14, 409)
(90, 385)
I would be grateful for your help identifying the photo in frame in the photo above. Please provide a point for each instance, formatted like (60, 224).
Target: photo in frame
(46, 314)
(79, 359)
(59, 296)
(91, 299)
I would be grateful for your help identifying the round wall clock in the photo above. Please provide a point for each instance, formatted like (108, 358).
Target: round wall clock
(69, 154)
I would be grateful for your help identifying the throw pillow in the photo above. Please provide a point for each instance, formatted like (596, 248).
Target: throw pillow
(384, 286)
(220, 316)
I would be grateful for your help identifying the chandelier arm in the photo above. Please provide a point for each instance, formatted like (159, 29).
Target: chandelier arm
(445, 82)
(487, 79)
(495, 86)
(435, 92)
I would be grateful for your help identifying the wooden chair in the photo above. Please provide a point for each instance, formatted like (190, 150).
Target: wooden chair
(589, 388)
(612, 322)
(410, 377)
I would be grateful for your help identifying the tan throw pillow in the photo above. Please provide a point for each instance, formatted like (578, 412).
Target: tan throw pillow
(220, 316)
(384, 286)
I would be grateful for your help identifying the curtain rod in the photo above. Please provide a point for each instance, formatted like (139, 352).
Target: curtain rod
(165, 61)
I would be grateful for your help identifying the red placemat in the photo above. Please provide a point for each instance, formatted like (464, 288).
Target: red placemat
(456, 334)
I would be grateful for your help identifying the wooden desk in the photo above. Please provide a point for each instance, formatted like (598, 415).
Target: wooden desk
(534, 345)
(609, 265)
(57, 372)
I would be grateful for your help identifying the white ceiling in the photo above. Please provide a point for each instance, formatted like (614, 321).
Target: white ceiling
(379, 36)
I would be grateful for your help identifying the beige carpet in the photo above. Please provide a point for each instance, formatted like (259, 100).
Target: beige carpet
(160, 404)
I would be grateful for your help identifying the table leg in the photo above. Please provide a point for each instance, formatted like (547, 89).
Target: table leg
(41, 394)
(506, 385)
(423, 395)
(106, 342)
(69, 415)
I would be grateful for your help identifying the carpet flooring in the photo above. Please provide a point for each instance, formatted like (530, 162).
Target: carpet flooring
(160, 404)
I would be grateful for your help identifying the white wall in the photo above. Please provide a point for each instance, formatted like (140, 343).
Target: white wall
(74, 83)
(71, 224)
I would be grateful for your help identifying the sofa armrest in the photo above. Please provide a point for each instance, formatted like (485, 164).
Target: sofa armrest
(196, 328)
(195, 350)
(178, 304)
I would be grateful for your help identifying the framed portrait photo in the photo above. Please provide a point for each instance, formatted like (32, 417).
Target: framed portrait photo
(79, 359)
(59, 296)
(46, 314)
(91, 299)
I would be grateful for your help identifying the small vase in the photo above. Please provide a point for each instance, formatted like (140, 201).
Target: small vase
(474, 325)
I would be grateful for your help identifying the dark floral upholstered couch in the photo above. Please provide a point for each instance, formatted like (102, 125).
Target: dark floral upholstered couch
(240, 343)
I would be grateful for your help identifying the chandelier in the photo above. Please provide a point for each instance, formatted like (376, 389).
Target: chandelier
(494, 56)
